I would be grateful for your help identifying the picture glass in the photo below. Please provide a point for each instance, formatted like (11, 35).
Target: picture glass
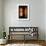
(23, 12)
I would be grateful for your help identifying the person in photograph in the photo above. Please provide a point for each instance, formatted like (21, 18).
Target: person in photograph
(20, 12)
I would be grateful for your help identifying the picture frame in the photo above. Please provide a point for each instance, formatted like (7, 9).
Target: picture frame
(23, 11)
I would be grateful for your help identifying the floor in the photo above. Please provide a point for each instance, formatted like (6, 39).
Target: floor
(25, 43)
(21, 44)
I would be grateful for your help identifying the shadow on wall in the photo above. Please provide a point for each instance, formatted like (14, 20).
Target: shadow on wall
(1, 34)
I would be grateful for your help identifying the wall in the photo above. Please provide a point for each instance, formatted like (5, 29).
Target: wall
(45, 19)
(0, 18)
(36, 13)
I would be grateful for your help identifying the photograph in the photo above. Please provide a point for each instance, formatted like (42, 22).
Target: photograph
(23, 12)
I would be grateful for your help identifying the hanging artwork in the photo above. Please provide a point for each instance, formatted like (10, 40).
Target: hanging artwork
(23, 12)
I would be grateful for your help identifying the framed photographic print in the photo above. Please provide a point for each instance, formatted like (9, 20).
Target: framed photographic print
(23, 12)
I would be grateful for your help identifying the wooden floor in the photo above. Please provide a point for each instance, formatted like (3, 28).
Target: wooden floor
(40, 42)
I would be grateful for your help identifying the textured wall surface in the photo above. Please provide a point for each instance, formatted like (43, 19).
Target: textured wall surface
(36, 13)
(0, 18)
(45, 19)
